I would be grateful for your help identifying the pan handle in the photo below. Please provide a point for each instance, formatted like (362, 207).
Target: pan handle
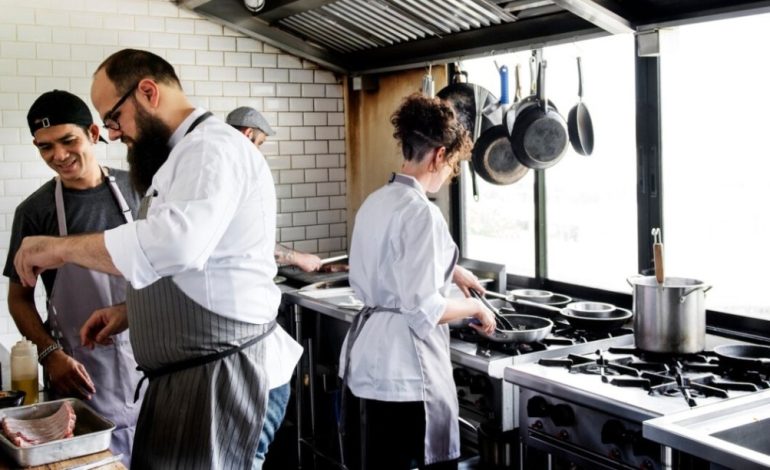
(694, 289)
(536, 304)
(580, 80)
(500, 320)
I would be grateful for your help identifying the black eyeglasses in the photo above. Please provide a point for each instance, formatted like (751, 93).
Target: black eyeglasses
(111, 118)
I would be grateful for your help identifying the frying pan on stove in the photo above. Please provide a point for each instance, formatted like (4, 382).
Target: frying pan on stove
(743, 355)
(514, 327)
(588, 320)
(527, 329)
(580, 321)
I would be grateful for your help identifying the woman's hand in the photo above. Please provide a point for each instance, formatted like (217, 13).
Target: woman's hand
(466, 280)
(486, 318)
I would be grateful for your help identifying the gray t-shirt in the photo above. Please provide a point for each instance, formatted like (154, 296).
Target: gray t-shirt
(87, 211)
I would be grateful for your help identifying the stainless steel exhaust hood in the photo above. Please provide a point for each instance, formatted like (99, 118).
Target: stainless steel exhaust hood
(365, 36)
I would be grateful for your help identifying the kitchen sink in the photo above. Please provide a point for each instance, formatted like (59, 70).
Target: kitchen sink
(754, 436)
(734, 433)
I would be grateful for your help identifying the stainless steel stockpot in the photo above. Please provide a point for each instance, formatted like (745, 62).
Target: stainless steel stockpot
(669, 317)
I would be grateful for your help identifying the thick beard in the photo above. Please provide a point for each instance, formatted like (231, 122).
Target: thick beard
(150, 150)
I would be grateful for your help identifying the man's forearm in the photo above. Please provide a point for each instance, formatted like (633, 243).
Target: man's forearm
(21, 305)
(88, 251)
(283, 255)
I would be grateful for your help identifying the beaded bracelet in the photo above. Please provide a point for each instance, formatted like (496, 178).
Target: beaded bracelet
(47, 352)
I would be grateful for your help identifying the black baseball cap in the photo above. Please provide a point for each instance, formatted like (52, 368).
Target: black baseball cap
(58, 107)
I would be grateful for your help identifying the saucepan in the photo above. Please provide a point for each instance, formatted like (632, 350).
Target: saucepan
(743, 355)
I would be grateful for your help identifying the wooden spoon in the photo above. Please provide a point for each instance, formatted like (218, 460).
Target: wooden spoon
(657, 253)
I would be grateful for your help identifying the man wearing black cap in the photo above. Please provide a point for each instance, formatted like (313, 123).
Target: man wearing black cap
(255, 127)
(83, 197)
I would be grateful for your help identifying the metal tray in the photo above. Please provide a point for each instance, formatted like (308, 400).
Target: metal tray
(92, 434)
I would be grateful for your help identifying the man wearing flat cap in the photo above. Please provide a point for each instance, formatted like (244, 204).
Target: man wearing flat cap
(83, 197)
(255, 127)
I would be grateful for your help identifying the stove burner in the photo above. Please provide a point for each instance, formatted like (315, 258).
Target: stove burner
(485, 348)
(691, 376)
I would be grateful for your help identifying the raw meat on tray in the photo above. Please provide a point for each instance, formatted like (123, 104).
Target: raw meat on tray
(29, 432)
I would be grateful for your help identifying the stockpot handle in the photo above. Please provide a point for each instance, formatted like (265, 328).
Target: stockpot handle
(629, 280)
(690, 291)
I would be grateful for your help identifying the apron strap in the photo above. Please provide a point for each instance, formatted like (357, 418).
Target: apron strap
(117, 195)
(198, 361)
(199, 120)
(61, 216)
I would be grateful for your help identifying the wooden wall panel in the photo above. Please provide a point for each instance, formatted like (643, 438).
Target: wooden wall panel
(372, 153)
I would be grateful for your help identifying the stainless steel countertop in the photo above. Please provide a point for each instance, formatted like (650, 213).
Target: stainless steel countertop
(732, 433)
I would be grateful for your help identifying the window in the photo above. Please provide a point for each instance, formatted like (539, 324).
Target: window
(591, 201)
(500, 226)
(715, 94)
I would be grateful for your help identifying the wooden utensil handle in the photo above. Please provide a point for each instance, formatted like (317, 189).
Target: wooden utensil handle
(657, 249)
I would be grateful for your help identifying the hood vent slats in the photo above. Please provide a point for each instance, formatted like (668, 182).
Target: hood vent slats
(356, 25)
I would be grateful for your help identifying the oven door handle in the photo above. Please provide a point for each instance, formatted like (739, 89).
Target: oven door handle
(467, 424)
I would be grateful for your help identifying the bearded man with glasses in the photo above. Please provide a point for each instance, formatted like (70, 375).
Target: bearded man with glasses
(201, 302)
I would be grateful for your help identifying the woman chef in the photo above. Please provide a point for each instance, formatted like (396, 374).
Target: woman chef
(402, 260)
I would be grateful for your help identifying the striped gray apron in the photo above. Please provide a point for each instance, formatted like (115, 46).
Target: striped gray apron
(442, 434)
(77, 292)
(205, 404)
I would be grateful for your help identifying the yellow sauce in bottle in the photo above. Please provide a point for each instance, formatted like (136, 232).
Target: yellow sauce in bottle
(29, 386)
(24, 369)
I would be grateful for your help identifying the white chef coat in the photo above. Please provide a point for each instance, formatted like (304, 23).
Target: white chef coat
(400, 252)
(211, 227)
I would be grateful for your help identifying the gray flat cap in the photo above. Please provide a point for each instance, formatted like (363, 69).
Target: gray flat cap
(249, 117)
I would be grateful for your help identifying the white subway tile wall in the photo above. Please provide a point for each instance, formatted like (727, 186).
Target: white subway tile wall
(47, 44)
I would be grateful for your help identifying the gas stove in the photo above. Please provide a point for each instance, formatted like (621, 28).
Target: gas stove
(587, 408)
(479, 365)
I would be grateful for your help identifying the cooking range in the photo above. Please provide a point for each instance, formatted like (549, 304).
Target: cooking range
(486, 399)
(586, 409)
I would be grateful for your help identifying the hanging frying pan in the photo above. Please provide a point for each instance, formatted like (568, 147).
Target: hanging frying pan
(539, 135)
(469, 102)
(581, 129)
(468, 98)
(493, 156)
(745, 356)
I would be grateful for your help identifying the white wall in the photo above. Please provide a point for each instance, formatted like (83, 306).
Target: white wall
(47, 44)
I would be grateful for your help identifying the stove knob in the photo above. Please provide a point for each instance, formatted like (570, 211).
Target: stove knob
(537, 407)
(562, 415)
(613, 432)
(563, 435)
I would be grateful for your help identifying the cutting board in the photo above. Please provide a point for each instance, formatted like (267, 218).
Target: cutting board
(7, 463)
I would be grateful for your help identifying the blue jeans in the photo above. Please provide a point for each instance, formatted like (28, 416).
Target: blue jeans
(276, 409)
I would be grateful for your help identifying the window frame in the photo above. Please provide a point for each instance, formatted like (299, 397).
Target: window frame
(649, 192)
